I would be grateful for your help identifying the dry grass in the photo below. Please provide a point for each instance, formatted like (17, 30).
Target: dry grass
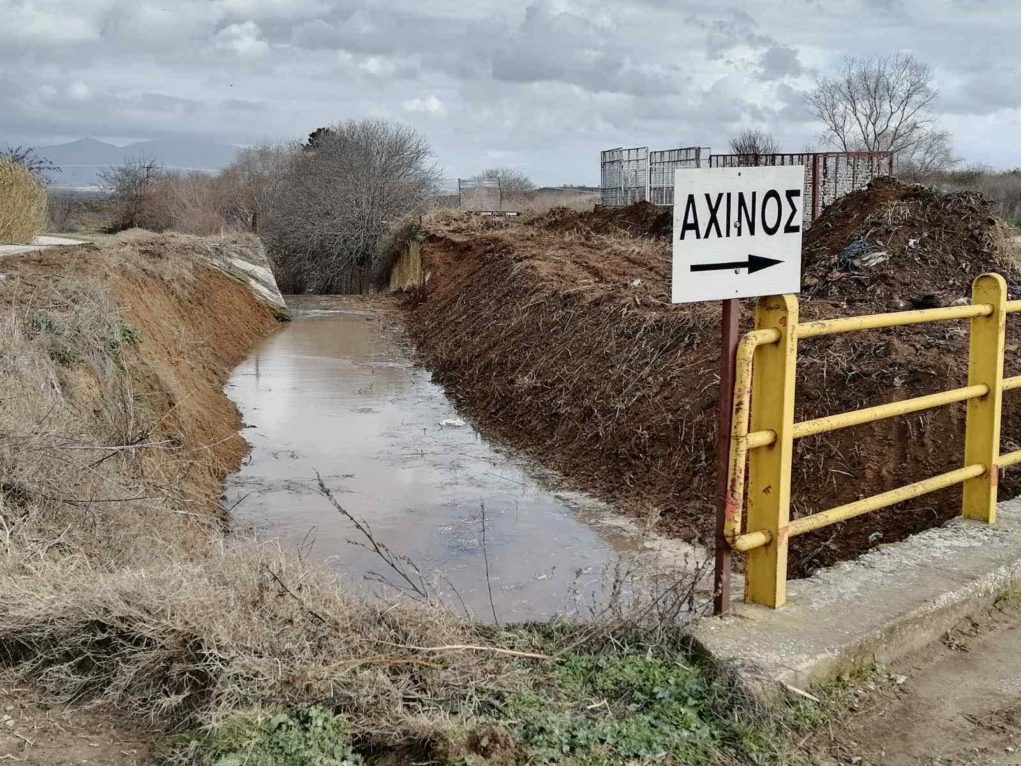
(544, 200)
(22, 204)
(74, 483)
(250, 629)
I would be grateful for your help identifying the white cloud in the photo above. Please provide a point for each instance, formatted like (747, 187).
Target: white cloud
(274, 9)
(78, 91)
(49, 23)
(547, 81)
(430, 105)
(243, 40)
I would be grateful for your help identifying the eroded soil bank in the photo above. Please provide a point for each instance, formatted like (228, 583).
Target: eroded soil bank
(115, 437)
(556, 334)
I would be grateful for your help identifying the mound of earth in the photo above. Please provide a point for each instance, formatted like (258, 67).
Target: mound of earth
(893, 246)
(556, 333)
(643, 219)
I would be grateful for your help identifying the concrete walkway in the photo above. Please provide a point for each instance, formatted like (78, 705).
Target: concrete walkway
(39, 243)
(884, 605)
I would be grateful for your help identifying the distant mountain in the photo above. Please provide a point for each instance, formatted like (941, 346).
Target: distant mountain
(81, 161)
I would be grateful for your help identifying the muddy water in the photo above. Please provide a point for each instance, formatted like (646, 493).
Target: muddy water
(334, 392)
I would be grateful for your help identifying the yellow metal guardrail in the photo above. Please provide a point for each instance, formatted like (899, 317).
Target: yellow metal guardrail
(763, 428)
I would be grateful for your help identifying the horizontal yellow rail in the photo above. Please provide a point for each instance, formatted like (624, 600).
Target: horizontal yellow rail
(759, 439)
(884, 500)
(1011, 458)
(751, 540)
(770, 529)
(883, 411)
(894, 319)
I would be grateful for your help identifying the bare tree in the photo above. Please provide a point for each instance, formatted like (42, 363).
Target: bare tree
(883, 104)
(28, 158)
(754, 141)
(328, 215)
(243, 187)
(133, 187)
(507, 179)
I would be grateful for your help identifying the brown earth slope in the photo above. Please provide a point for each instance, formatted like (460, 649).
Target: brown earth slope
(194, 323)
(115, 436)
(557, 334)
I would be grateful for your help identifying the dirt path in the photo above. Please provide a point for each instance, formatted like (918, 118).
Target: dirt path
(57, 735)
(956, 704)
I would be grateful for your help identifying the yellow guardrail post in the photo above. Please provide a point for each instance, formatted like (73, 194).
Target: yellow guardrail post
(769, 467)
(985, 367)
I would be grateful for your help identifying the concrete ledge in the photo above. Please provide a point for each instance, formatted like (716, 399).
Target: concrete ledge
(888, 603)
(39, 243)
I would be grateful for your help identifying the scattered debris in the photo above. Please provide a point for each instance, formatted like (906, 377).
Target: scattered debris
(926, 242)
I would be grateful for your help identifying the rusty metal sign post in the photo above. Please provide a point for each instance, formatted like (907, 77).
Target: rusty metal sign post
(729, 321)
(737, 234)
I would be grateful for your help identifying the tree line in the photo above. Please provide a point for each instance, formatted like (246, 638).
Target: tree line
(325, 208)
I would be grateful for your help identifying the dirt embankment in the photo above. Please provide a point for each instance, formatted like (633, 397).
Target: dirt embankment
(557, 333)
(115, 436)
(186, 326)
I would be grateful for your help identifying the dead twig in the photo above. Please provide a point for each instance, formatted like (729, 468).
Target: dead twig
(485, 558)
(477, 648)
(392, 560)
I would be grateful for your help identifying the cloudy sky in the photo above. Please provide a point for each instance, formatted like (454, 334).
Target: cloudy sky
(540, 85)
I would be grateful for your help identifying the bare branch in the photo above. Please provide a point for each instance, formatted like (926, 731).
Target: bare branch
(329, 214)
(883, 104)
(508, 180)
(754, 141)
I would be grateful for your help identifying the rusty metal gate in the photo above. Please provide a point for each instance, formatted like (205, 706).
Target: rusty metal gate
(828, 175)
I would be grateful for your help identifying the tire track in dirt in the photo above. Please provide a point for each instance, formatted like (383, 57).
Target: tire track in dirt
(957, 703)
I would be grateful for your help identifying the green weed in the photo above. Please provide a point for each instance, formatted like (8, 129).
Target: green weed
(127, 334)
(310, 737)
(634, 706)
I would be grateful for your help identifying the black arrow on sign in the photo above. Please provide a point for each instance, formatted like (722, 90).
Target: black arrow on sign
(753, 264)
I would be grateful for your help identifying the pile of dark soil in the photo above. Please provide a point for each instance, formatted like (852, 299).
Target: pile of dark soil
(643, 219)
(894, 245)
(557, 334)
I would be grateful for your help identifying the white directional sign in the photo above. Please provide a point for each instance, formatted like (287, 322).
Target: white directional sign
(737, 232)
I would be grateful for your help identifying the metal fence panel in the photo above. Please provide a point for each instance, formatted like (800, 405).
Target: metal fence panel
(662, 165)
(624, 176)
(828, 175)
(479, 196)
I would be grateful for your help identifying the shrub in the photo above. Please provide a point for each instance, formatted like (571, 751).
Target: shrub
(133, 189)
(147, 196)
(22, 203)
(339, 197)
(243, 188)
